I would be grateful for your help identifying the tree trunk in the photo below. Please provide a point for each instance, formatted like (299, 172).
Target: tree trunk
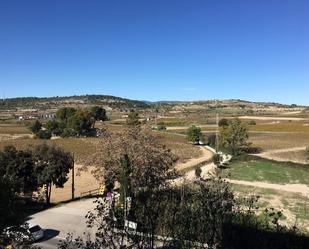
(48, 192)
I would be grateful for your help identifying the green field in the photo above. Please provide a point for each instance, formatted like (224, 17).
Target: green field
(255, 169)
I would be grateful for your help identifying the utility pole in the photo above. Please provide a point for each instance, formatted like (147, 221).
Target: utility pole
(73, 177)
(217, 128)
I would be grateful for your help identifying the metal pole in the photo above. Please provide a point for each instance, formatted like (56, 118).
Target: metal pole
(73, 176)
(217, 129)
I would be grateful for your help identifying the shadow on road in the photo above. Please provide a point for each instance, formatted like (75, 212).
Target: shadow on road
(49, 234)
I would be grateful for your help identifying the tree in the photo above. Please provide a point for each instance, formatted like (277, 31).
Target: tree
(82, 122)
(36, 126)
(52, 166)
(18, 168)
(194, 134)
(252, 122)
(43, 134)
(55, 127)
(63, 114)
(198, 172)
(161, 126)
(234, 136)
(223, 122)
(150, 161)
(217, 159)
(190, 217)
(98, 113)
(211, 140)
(133, 119)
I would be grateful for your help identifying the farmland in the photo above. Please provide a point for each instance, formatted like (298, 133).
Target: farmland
(281, 132)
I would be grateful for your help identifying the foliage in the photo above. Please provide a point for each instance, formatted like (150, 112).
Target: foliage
(36, 126)
(161, 126)
(16, 176)
(217, 159)
(43, 134)
(74, 122)
(234, 136)
(252, 122)
(150, 160)
(191, 216)
(17, 167)
(198, 172)
(194, 134)
(65, 113)
(52, 166)
(55, 127)
(81, 122)
(223, 122)
(211, 140)
(133, 119)
(98, 113)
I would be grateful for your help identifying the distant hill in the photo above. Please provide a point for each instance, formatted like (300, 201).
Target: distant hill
(112, 102)
(46, 103)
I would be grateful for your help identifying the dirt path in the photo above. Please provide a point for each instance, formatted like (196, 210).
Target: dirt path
(272, 118)
(295, 188)
(206, 156)
(170, 128)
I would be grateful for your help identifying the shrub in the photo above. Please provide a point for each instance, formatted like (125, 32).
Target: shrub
(252, 122)
(43, 134)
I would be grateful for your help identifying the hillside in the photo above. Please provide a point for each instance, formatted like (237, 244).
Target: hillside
(47, 103)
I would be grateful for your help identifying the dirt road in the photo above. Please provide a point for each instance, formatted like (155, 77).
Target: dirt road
(206, 156)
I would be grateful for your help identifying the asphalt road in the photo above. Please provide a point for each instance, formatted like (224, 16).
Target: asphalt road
(59, 221)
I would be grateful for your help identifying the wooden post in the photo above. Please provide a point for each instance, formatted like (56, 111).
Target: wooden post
(73, 176)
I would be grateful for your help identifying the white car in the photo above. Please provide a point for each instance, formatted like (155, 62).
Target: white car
(25, 232)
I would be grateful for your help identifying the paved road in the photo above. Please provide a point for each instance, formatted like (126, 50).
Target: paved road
(59, 221)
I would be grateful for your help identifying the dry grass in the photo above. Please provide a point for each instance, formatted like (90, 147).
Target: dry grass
(84, 181)
(293, 156)
(81, 147)
(12, 129)
(271, 141)
(295, 207)
(281, 127)
(179, 146)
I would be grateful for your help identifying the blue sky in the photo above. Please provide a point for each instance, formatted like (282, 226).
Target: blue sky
(156, 49)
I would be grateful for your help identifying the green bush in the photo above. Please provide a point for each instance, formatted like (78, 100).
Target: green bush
(43, 134)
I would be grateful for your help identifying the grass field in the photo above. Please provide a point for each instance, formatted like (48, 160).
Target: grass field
(262, 170)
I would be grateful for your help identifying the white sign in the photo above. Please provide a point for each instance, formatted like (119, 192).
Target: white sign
(130, 224)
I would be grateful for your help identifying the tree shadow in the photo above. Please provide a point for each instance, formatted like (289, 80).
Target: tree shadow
(49, 234)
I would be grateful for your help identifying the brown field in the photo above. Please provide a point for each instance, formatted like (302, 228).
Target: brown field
(296, 155)
(84, 181)
(12, 129)
(273, 140)
(83, 148)
(281, 127)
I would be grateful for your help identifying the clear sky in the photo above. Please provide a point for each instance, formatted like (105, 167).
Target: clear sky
(156, 49)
